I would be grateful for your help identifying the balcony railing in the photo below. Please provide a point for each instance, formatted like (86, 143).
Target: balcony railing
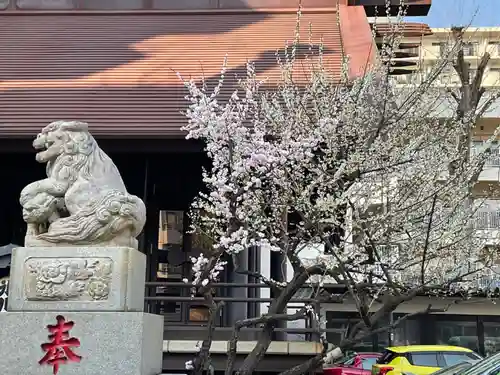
(491, 281)
(487, 220)
(493, 160)
(494, 48)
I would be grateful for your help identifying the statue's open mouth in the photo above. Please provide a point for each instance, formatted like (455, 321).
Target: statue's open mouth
(46, 152)
(40, 142)
(43, 143)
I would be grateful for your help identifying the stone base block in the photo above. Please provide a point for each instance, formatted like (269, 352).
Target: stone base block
(111, 343)
(77, 279)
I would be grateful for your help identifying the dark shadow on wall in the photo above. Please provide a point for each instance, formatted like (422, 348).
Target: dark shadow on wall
(269, 59)
(140, 108)
(70, 46)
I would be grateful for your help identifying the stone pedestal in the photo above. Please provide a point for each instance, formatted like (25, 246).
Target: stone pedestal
(111, 343)
(97, 294)
(77, 279)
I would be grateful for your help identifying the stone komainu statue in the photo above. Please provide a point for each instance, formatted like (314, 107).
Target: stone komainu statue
(83, 200)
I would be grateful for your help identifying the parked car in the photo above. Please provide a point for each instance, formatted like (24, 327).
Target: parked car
(421, 359)
(356, 364)
(454, 369)
(487, 366)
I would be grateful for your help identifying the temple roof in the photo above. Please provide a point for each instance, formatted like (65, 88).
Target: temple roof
(117, 70)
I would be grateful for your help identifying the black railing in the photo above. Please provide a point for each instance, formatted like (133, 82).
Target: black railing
(183, 312)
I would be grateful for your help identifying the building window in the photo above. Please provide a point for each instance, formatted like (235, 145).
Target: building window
(414, 50)
(171, 227)
(451, 330)
(404, 79)
(493, 160)
(46, 4)
(448, 75)
(494, 47)
(169, 262)
(491, 337)
(472, 74)
(407, 332)
(442, 47)
(339, 323)
(488, 215)
(172, 263)
(494, 75)
(470, 48)
(486, 219)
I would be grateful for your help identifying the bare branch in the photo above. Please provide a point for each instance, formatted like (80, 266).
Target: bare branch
(487, 104)
(427, 237)
(266, 318)
(324, 172)
(201, 359)
(273, 285)
(346, 343)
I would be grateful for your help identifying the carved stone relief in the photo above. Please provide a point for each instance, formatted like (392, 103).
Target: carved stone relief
(67, 279)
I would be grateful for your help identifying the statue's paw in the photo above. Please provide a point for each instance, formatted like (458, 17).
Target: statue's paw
(61, 204)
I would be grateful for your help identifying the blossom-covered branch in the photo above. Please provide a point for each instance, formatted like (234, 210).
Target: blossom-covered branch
(369, 172)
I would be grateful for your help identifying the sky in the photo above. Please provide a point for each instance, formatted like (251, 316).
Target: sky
(446, 13)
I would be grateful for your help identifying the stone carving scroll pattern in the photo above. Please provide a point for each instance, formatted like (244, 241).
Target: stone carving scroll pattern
(69, 279)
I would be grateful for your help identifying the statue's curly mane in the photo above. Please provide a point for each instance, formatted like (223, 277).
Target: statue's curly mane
(81, 157)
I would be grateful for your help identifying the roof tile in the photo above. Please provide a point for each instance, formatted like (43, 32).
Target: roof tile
(118, 72)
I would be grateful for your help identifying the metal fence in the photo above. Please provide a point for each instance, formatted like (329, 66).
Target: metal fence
(187, 313)
(186, 316)
(493, 160)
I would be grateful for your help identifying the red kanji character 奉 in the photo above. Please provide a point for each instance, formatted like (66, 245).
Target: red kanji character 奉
(59, 349)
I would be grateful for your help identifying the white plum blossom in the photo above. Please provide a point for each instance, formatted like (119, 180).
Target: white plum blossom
(369, 171)
(199, 265)
(189, 365)
(334, 163)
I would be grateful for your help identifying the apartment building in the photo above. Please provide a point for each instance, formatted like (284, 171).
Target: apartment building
(475, 324)
(431, 48)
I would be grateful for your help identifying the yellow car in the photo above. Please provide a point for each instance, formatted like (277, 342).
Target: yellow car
(421, 359)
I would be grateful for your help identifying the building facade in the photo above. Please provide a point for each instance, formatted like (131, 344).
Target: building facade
(437, 43)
